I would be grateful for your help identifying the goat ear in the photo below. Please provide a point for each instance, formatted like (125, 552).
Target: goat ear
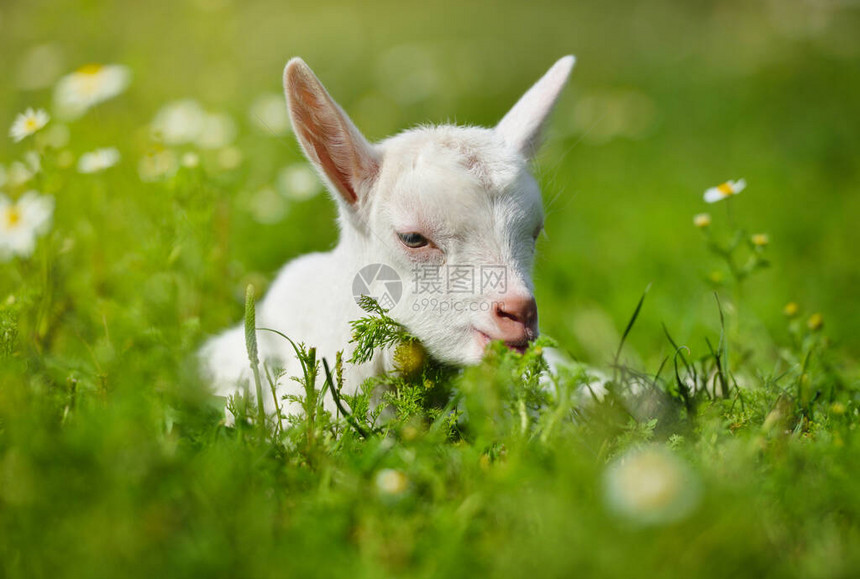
(521, 127)
(344, 158)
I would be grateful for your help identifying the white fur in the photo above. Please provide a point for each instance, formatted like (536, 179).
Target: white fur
(467, 189)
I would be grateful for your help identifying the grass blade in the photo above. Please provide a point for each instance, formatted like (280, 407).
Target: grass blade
(253, 357)
(629, 327)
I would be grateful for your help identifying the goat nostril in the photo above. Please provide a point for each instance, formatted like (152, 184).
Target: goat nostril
(502, 313)
(522, 310)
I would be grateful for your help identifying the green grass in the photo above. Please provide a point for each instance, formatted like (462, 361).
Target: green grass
(114, 461)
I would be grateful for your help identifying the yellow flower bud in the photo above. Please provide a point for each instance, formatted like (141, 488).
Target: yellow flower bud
(790, 310)
(815, 322)
(760, 239)
(409, 358)
(702, 220)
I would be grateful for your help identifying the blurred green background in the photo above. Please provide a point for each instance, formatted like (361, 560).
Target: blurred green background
(667, 99)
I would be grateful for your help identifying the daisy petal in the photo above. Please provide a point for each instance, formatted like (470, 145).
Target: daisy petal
(713, 195)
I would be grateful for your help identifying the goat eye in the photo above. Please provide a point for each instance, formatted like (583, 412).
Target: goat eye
(413, 240)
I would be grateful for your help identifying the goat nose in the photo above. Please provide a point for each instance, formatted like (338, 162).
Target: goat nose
(516, 313)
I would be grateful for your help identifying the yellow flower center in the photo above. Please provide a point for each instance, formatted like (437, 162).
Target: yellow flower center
(91, 69)
(760, 239)
(725, 188)
(13, 216)
(31, 123)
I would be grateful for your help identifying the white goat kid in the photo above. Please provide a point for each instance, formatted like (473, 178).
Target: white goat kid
(454, 211)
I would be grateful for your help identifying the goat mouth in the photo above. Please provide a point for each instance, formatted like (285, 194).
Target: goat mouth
(520, 345)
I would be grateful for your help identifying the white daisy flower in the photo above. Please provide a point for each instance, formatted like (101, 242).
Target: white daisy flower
(391, 482)
(90, 85)
(98, 160)
(267, 207)
(22, 222)
(19, 173)
(269, 114)
(218, 130)
(190, 160)
(178, 122)
(725, 190)
(650, 486)
(33, 161)
(40, 66)
(298, 182)
(158, 165)
(185, 121)
(28, 123)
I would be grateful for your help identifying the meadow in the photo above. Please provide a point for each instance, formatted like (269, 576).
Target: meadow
(149, 176)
